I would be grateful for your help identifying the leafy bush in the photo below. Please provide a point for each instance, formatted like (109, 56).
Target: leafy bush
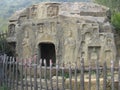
(6, 48)
(3, 88)
(115, 19)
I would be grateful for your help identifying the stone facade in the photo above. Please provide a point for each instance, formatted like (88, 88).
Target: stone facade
(66, 32)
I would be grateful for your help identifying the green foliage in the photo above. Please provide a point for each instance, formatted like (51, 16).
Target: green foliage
(3, 88)
(115, 19)
(114, 5)
(3, 24)
(3, 43)
(66, 74)
(5, 48)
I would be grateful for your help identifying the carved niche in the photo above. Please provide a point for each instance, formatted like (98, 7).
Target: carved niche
(87, 37)
(82, 45)
(102, 37)
(108, 55)
(109, 42)
(84, 25)
(26, 44)
(34, 11)
(11, 29)
(69, 47)
(95, 30)
(52, 10)
(40, 27)
(52, 27)
(83, 55)
(26, 33)
(21, 19)
(94, 53)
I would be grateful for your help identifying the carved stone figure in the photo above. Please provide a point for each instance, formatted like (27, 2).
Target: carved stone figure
(34, 11)
(93, 56)
(102, 37)
(95, 30)
(83, 55)
(84, 25)
(87, 37)
(21, 19)
(26, 46)
(52, 11)
(11, 29)
(40, 27)
(52, 27)
(82, 46)
(108, 55)
(109, 42)
(69, 47)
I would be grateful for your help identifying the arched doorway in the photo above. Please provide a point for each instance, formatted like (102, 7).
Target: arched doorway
(47, 51)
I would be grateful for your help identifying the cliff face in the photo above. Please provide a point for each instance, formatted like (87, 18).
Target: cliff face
(65, 32)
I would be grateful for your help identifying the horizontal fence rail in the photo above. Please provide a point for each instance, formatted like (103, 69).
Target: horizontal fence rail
(26, 75)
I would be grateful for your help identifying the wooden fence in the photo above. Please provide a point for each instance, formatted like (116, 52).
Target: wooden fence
(19, 75)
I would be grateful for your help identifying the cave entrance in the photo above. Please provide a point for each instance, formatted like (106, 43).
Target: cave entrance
(47, 51)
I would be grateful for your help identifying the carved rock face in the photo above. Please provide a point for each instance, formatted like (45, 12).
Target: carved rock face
(76, 30)
(52, 11)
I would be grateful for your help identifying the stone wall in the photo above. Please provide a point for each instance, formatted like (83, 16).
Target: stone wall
(77, 30)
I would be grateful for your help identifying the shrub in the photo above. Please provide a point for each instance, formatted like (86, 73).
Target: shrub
(3, 88)
(115, 19)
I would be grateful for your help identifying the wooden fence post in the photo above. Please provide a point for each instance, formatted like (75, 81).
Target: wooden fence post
(57, 67)
(17, 75)
(112, 75)
(89, 76)
(82, 75)
(45, 74)
(22, 65)
(40, 70)
(105, 76)
(76, 87)
(35, 76)
(10, 65)
(97, 76)
(51, 83)
(26, 83)
(63, 80)
(3, 72)
(6, 68)
(70, 77)
(13, 73)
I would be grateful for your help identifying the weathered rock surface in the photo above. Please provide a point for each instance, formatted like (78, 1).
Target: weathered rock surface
(69, 31)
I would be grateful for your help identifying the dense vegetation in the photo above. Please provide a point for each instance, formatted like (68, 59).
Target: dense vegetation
(114, 5)
(116, 21)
